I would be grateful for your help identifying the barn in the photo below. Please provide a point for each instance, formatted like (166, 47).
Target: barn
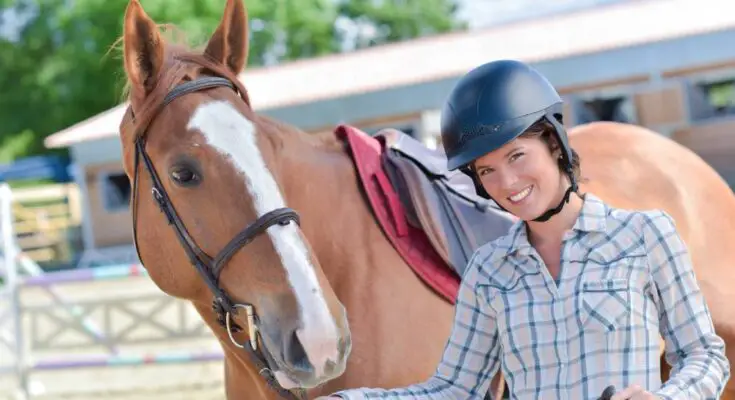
(669, 66)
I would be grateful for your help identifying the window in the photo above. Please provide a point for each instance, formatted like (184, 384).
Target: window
(115, 191)
(719, 97)
(616, 109)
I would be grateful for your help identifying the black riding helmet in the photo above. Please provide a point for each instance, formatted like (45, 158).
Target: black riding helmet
(494, 104)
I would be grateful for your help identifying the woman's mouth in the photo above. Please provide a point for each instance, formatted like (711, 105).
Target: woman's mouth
(518, 197)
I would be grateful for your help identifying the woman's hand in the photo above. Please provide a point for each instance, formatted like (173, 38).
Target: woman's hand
(634, 392)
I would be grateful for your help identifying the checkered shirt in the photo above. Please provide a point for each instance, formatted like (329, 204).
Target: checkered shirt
(625, 277)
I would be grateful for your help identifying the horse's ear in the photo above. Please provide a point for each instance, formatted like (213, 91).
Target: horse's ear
(229, 43)
(143, 48)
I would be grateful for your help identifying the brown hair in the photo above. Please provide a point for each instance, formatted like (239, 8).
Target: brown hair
(545, 130)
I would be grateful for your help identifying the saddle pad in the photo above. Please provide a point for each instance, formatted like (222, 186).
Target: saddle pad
(442, 203)
(410, 242)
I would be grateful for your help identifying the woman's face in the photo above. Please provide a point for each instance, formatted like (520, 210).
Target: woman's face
(523, 177)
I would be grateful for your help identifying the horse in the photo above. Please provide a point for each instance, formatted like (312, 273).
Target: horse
(270, 234)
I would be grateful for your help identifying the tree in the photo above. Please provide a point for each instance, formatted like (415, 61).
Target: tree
(385, 21)
(57, 67)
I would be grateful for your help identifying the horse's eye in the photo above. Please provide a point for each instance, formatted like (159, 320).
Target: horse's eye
(184, 175)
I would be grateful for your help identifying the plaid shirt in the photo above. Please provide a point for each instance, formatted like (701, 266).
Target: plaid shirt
(625, 277)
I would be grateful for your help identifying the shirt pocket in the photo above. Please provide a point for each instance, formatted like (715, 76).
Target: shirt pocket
(605, 305)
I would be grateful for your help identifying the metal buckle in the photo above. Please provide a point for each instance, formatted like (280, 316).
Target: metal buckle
(252, 329)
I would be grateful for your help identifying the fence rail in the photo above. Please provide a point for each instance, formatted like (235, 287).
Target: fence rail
(106, 360)
(110, 317)
(106, 317)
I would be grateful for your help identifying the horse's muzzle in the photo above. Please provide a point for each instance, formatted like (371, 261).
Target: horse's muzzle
(305, 359)
(324, 361)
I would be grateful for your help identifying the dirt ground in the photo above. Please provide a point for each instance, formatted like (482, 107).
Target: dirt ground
(201, 381)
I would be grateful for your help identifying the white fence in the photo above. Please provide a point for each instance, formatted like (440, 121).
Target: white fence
(98, 332)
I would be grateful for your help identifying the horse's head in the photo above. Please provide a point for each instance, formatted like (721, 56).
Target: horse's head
(216, 227)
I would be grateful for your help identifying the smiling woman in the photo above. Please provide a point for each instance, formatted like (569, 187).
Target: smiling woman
(521, 174)
(573, 298)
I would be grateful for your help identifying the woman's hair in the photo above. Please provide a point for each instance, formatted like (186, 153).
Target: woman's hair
(545, 130)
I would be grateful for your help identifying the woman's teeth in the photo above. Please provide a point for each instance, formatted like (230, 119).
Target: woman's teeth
(520, 195)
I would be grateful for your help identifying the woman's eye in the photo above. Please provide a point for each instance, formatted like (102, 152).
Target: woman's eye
(515, 156)
(184, 175)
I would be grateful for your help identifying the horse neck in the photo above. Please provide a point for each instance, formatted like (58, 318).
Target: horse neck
(318, 180)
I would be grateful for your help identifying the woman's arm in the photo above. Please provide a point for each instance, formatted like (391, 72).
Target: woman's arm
(695, 352)
(470, 356)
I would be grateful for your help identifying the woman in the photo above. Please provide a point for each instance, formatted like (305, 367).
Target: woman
(574, 297)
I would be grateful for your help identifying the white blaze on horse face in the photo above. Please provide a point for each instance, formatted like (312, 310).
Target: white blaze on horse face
(233, 135)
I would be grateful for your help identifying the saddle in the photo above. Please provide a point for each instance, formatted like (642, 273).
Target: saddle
(431, 216)
(441, 203)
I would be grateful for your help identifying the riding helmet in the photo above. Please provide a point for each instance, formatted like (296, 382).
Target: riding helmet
(494, 104)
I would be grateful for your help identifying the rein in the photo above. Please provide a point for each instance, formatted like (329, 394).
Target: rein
(208, 267)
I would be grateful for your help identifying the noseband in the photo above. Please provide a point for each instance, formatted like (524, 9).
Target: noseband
(209, 268)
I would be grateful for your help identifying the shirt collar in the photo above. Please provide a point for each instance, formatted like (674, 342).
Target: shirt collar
(593, 215)
(591, 219)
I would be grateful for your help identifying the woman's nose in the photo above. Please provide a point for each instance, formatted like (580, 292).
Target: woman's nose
(506, 179)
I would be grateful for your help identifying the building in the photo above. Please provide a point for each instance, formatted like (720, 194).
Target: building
(668, 65)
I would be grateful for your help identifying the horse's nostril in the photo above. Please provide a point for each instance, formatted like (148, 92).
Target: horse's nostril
(329, 367)
(295, 355)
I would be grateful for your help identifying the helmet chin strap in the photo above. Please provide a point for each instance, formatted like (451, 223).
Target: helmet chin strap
(556, 210)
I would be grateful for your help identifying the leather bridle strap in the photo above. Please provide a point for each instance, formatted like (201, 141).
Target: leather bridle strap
(196, 255)
(209, 268)
(280, 216)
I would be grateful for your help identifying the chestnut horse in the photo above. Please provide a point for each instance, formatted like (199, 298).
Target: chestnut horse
(267, 226)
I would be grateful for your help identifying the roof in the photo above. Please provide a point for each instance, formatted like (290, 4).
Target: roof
(443, 56)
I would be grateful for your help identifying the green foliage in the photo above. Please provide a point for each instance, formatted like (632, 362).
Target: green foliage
(15, 146)
(64, 64)
(396, 20)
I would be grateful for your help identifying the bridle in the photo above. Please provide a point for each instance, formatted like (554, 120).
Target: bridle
(210, 268)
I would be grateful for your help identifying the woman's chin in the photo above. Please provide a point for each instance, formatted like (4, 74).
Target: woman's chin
(527, 210)
(530, 216)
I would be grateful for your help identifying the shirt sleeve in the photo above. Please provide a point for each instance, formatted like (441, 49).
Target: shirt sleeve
(693, 349)
(470, 356)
